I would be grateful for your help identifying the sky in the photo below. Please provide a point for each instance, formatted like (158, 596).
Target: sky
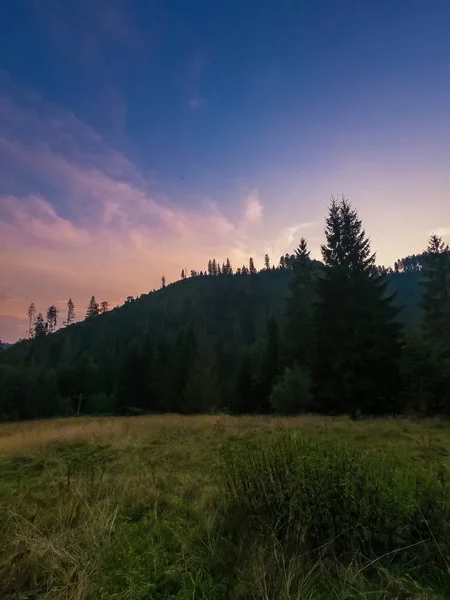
(141, 137)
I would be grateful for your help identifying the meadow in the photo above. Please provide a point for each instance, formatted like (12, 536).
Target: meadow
(214, 507)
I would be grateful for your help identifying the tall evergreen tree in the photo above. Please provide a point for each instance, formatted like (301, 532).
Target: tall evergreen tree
(93, 308)
(31, 312)
(163, 282)
(436, 293)
(52, 318)
(70, 312)
(251, 267)
(228, 267)
(40, 326)
(267, 262)
(298, 339)
(359, 341)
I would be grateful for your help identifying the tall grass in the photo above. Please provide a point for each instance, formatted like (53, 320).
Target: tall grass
(331, 502)
(215, 507)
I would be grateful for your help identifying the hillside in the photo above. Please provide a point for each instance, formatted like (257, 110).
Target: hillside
(167, 350)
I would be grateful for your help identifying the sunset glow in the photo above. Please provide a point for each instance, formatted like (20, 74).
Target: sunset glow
(137, 141)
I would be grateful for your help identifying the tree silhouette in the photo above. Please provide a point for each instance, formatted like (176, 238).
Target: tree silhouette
(359, 340)
(93, 308)
(70, 312)
(31, 312)
(52, 318)
(436, 293)
(298, 332)
(40, 327)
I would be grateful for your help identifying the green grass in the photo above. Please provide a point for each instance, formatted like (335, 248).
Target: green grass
(218, 507)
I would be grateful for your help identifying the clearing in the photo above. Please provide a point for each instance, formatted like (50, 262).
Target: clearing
(139, 508)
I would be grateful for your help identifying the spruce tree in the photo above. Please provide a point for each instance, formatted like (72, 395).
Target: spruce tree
(52, 318)
(298, 339)
(163, 282)
(436, 294)
(70, 312)
(93, 308)
(359, 341)
(251, 267)
(266, 262)
(40, 326)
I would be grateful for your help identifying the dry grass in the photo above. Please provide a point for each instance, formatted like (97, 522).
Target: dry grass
(31, 435)
(18, 437)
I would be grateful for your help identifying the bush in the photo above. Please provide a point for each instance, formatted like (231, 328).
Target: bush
(292, 394)
(341, 500)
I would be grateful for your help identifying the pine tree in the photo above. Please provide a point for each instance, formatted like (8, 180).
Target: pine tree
(163, 282)
(70, 312)
(219, 272)
(298, 331)
(93, 308)
(52, 318)
(31, 312)
(266, 262)
(183, 274)
(40, 327)
(359, 341)
(436, 293)
(251, 267)
(210, 268)
(213, 267)
(104, 307)
(228, 267)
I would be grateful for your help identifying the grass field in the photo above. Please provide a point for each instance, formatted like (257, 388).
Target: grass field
(216, 507)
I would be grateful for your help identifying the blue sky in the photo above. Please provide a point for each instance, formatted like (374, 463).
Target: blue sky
(140, 137)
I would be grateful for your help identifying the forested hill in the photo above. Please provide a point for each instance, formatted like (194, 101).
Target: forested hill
(174, 349)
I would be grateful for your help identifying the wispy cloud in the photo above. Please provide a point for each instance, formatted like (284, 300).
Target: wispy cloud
(253, 208)
(78, 218)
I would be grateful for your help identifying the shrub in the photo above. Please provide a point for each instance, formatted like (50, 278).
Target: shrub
(292, 394)
(339, 499)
